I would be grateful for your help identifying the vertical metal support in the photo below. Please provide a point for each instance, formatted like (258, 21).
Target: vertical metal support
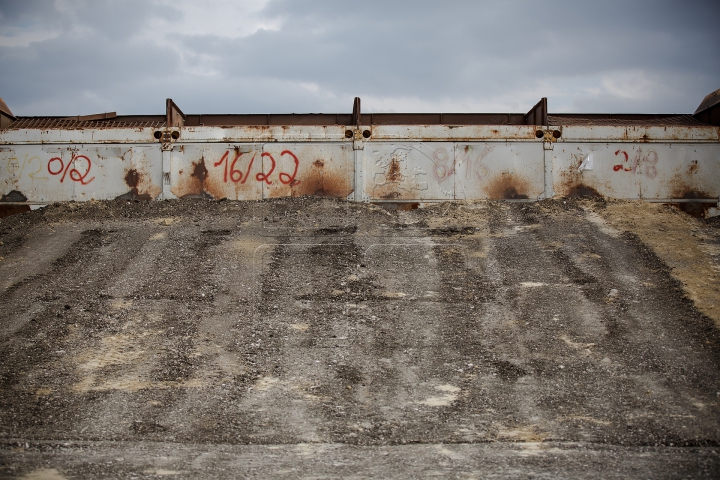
(548, 170)
(166, 163)
(358, 152)
(359, 156)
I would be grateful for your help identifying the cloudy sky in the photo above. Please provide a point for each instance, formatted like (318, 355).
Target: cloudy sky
(67, 57)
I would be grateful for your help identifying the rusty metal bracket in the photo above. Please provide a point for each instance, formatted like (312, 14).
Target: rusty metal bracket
(538, 115)
(356, 112)
(6, 116)
(174, 121)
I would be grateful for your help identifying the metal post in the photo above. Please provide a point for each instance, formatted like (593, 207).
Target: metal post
(548, 171)
(359, 156)
(166, 162)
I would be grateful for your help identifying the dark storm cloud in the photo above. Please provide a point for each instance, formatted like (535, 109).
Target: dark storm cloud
(433, 50)
(595, 56)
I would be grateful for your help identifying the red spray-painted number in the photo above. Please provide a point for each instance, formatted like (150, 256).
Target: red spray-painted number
(74, 174)
(648, 160)
(235, 175)
(232, 174)
(289, 179)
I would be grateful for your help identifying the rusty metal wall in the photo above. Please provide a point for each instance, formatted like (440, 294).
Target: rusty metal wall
(380, 163)
(637, 171)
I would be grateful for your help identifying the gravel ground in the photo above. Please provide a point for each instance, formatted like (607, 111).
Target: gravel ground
(309, 337)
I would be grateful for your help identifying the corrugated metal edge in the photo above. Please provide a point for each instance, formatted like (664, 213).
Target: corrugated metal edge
(710, 100)
(5, 109)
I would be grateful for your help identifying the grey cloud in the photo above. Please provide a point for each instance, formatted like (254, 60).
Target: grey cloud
(23, 12)
(436, 51)
(426, 50)
(64, 71)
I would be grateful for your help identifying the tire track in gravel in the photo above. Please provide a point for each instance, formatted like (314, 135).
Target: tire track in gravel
(36, 369)
(591, 333)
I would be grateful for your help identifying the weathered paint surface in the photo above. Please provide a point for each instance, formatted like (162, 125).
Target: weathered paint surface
(637, 170)
(389, 163)
(81, 172)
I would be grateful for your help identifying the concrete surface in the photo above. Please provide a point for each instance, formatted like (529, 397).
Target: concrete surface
(315, 338)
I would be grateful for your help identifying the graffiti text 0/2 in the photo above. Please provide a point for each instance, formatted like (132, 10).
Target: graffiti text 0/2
(233, 170)
(33, 165)
(641, 161)
(76, 169)
(70, 170)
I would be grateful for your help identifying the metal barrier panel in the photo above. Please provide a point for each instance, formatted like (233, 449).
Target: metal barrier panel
(81, 172)
(637, 170)
(499, 170)
(293, 169)
(216, 170)
(420, 171)
(390, 164)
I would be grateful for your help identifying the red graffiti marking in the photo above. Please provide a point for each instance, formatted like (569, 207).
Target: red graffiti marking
(74, 173)
(477, 167)
(235, 175)
(289, 179)
(649, 160)
(441, 169)
(264, 177)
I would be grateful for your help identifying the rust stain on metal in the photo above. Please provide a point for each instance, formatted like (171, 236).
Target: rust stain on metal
(321, 180)
(507, 186)
(398, 205)
(320, 184)
(199, 170)
(140, 187)
(573, 184)
(393, 174)
(7, 210)
(695, 209)
(391, 196)
(193, 185)
(13, 196)
(694, 167)
(132, 178)
(582, 190)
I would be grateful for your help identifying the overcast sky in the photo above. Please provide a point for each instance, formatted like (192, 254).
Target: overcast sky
(68, 57)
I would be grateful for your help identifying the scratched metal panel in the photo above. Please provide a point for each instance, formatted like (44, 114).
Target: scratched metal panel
(99, 172)
(440, 133)
(496, 170)
(22, 170)
(81, 172)
(674, 134)
(143, 177)
(409, 171)
(142, 135)
(637, 170)
(42, 173)
(297, 169)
